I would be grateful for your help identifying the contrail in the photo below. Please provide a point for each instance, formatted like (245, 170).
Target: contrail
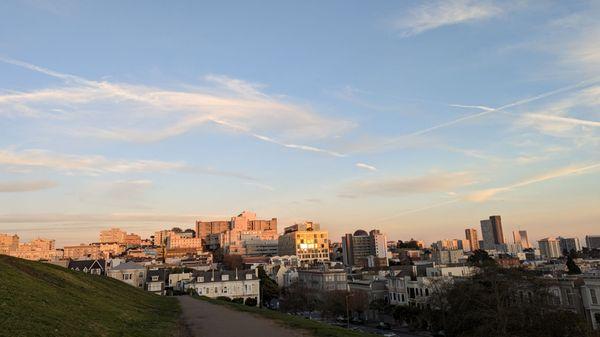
(489, 110)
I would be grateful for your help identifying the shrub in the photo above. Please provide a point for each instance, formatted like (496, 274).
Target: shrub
(224, 298)
(251, 301)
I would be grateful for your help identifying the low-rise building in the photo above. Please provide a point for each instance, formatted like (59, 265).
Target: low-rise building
(590, 293)
(157, 280)
(82, 252)
(93, 267)
(129, 272)
(242, 284)
(448, 256)
(323, 279)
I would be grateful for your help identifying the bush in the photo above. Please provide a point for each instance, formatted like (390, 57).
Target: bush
(238, 300)
(251, 302)
(224, 298)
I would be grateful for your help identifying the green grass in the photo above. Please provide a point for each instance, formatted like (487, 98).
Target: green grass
(315, 328)
(38, 299)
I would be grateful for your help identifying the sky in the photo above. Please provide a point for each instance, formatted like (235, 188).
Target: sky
(418, 118)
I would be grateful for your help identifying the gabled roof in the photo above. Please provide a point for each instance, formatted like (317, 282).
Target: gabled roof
(87, 264)
(162, 274)
(128, 266)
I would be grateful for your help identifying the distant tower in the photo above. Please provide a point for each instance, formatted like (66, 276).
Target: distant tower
(471, 236)
(492, 232)
(521, 237)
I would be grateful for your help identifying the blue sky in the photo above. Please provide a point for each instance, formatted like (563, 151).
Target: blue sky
(418, 118)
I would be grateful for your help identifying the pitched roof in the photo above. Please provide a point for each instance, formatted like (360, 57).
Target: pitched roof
(128, 265)
(162, 273)
(87, 264)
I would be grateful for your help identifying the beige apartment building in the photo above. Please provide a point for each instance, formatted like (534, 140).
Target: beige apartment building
(38, 249)
(116, 235)
(305, 240)
(232, 235)
(8, 243)
(82, 251)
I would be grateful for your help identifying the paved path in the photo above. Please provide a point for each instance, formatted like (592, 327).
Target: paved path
(203, 319)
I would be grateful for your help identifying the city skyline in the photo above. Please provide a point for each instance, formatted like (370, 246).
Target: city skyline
(418, 119)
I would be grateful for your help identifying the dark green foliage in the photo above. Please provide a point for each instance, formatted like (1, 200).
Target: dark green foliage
(269, 289)
(232, 261)
(251, 302)
(572, 266)
(481, 258)
(238, 300)
(412, 244)
(39, 299)
(224, 298)
(503, 302)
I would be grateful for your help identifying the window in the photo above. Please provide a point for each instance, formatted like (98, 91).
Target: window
(154, 278)
(594, 296)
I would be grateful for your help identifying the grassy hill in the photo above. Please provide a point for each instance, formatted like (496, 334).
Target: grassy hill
(38, 299)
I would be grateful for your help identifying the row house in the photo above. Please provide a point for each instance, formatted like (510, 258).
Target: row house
(242, 284)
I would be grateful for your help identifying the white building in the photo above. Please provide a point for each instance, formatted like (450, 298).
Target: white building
(458, 271)
(242, 284)
(590, 293)
(550, 248)
(131, 273)
(397, 294)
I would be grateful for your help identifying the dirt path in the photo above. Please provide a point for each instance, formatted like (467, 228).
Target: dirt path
(203, 319)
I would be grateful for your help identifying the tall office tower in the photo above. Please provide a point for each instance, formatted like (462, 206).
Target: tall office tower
(550, 248)
(471, 236)
(568, 244)
(497, 227)
(521, 237)
(592, 241)
(491, 229)
(357, 247)
(379, 245)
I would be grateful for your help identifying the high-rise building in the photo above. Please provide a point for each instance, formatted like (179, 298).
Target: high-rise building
(592, 241)
(491, 229)
(520, 237)
(568, 244)
(231, 234)
(358, 247)
(471, 236)
(305, 240)
(550, 248)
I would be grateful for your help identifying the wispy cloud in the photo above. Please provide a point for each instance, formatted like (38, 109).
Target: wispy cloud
(26, 186)
(394, 186)
(154, 114)
(418, 209)
(436, 14)
(94, 165)
(366, 166)
(486, 194)
(90, 165)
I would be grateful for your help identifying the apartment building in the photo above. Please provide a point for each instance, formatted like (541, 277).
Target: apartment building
(306, 241)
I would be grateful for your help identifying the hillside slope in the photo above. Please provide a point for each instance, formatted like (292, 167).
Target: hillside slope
(38, 299)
